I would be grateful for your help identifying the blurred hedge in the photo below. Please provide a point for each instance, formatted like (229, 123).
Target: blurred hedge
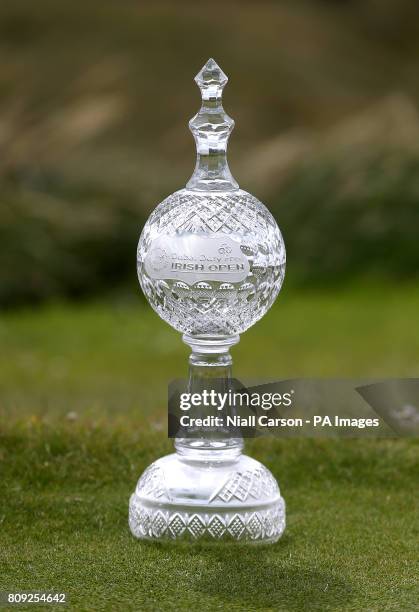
(342, 222)
(341, 219)
(93, 134)
(59, 242)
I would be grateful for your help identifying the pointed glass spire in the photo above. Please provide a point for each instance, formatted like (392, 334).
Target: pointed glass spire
(211, 128)
(211, 80)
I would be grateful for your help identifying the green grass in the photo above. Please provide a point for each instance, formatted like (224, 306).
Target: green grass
(352, 529)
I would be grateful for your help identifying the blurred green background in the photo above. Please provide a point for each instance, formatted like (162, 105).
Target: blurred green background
(94, 103)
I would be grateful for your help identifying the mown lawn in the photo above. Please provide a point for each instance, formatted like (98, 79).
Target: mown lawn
(83, 391)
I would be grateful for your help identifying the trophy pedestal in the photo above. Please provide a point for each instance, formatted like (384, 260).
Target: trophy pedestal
(208, 489)
(209, 495)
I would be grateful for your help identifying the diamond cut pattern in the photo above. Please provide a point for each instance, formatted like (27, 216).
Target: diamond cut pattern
(196, 526)
(177, 525)
(159, 525)
(162, 524)
(256, 484)
(216, 527)
(236, 527)
(254, 526)
(151, 483)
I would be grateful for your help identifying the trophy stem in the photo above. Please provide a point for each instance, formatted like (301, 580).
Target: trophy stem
(210, 369)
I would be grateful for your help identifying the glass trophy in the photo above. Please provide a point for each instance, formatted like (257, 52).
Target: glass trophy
(211, 261)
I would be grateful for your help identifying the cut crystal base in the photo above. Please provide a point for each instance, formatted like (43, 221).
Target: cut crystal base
(201, 498)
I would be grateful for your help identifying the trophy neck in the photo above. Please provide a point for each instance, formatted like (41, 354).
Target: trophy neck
(212, 173)
(211, 128)
(207, 347)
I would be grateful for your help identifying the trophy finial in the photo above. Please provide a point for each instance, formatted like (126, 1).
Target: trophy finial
(211, 128)
(211, 80)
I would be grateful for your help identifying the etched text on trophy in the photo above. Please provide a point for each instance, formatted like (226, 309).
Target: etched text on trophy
(194, 258)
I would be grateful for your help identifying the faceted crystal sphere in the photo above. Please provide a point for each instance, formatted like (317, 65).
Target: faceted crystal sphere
(211, 263)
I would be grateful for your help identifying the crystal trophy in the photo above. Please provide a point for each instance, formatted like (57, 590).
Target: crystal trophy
(211, 261)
